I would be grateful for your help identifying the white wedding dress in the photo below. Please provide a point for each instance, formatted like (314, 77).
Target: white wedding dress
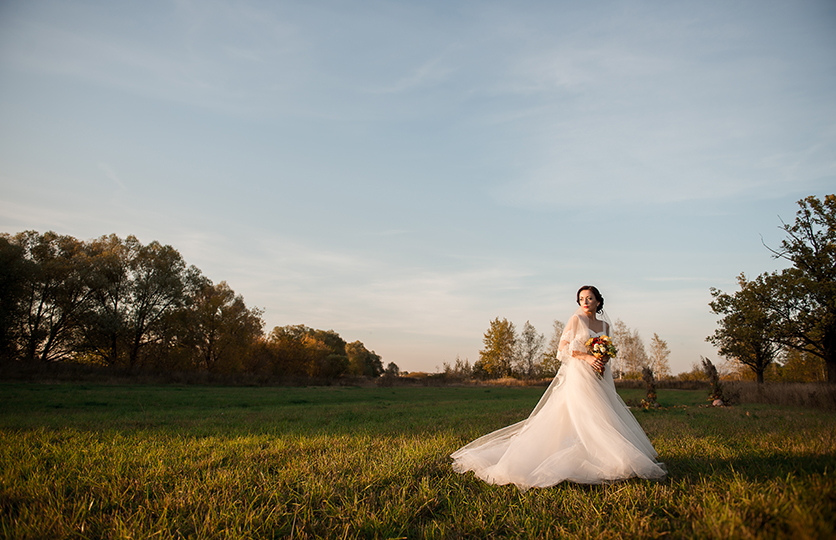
(580, 431)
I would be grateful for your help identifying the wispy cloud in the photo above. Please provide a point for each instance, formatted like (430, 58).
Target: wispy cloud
(111, 175)
(414, 169)
(431, 72)
(204, 66)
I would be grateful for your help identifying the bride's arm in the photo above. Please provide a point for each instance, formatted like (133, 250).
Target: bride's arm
(589, 359)
(572, 328)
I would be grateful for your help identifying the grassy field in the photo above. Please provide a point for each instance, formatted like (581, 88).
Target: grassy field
(98, 461)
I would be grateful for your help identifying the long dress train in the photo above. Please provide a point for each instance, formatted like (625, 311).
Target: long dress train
(580, 431)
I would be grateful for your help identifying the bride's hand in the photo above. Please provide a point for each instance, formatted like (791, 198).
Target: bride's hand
(597, 363)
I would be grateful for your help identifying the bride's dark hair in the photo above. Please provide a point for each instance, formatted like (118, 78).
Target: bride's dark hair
(595, 292)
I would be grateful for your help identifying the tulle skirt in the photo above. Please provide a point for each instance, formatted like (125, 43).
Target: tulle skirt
(581, 431)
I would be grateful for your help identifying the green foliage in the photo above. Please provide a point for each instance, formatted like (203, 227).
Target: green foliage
(14, 270)
(804, 299)
(392, 370)
(697, 373)
(496, 360)
(361, 361)
(747, 332)
(300, 350)
(52, 271)
(800, 366)
(122, 303)
(220, 329)
(796, 307)
(203, 462)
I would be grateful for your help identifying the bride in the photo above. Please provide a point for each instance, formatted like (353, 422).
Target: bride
(579, 431)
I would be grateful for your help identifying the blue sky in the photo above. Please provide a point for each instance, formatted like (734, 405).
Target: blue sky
(404, 172)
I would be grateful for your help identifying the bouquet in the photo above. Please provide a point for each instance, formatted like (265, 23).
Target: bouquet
(602, 348)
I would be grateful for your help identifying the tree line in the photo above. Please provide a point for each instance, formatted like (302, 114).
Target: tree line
(786, 317)
(780, 325)
(527, 355)
(118, 302)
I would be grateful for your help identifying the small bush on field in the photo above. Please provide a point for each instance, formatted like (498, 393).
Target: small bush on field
(650, 381)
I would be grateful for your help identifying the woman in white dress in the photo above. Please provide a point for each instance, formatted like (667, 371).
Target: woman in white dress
(579, 431)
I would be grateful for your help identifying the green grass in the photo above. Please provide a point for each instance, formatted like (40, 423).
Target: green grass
(96, 461)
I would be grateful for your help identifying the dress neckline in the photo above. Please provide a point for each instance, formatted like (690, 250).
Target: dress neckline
(601, 333)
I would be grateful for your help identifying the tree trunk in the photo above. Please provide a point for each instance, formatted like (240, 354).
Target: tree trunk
(113, 353)
(759, 373)
(134, 355)
(829, 343)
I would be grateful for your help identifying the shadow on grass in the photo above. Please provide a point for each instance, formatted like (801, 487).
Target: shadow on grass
(754, 468)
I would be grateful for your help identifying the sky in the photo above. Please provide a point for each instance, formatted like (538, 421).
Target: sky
(404, 172)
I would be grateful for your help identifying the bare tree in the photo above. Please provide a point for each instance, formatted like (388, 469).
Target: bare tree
(550, 364)
(619, 334)
(632, 356)
(658, 357)
(529, 347)
(634, 353)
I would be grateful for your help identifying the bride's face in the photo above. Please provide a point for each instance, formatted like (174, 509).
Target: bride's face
(588, 302)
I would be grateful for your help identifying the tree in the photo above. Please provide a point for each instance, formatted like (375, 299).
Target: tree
(361, 361)
(220, 327)
(550, 364)
(802, 367)
(14, 270)
(658, 357)
(619, 334)
(529, 349)
(300, 350)
(747, 331)
(287, 345)
(497, 358)
(802, 299)
(156, 289)
(104, 328)
(135, 291)
(56, 291)
(463, 369)
(697, 373)
(632, 356)
(392, 370)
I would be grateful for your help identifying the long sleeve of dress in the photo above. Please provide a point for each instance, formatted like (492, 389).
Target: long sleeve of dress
(573, 338)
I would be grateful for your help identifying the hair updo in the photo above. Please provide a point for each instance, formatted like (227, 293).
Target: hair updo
(595, 292)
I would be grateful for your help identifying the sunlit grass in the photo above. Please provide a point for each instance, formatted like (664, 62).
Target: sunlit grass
(169, 462)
